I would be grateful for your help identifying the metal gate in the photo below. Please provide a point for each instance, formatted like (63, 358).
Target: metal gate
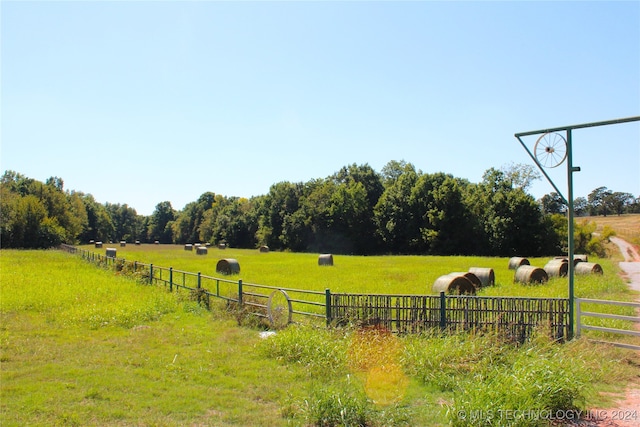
(581, 313)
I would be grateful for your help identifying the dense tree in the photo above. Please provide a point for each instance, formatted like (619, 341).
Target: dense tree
(511, 220)
(186, 227)
(553, 203)
(580, 206)
(396, 222)
(160, 223)
(275, 210)
(355, 210)
(598, 201)
(618, 201)
(99, 223)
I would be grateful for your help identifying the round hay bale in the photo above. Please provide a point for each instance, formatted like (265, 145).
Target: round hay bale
(454, 284)
(588, 268)
(325, 260)
(580, 258)
(98, 245)
(201, 250)
(156, 242)
(530, 274)
(111, 252)
(486, 275)
(228, 266)
(516, 262)
(264, 248)
(557, 267)
(471, 276)
(137, 242)
(222, 246)
(123, 243)
(188, 247)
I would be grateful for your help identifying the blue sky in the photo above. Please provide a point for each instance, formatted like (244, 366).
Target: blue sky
(144, 102)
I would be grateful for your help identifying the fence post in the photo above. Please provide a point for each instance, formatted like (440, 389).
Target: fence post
(577, 317)
(443, 311)
(150, 274)
(199, 278)
(240, 292)
(170, 279)
(327, 302)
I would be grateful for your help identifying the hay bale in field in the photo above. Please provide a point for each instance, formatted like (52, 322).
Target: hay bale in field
(264, 248)
(201, 250)
(588, 268)
(454, 284)
(516, 261)
(156, 242)
(576, 258)
(486, 275)
(98, 245)
(471, 276)
(558, 267)
(111, 252)
(222, 246)
(137, 242)
(530, 274)
(580, 258)
(123, 243)
(325, 260)
(228, 266)
(188, 247)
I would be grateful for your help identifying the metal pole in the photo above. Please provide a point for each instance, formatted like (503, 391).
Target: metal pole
(571, 242)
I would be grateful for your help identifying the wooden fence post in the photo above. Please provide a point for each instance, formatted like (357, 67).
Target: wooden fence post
(170, 279)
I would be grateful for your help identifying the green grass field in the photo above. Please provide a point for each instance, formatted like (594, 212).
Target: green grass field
(83, 346)
(367, 274)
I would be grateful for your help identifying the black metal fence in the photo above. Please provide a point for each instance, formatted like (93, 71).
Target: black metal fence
(513, 317)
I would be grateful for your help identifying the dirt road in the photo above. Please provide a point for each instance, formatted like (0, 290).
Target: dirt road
(631, 263)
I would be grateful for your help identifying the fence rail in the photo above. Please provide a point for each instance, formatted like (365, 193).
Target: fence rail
(580, 313)
(514, 317)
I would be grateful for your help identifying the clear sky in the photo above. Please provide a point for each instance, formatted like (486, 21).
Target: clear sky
(144, 102)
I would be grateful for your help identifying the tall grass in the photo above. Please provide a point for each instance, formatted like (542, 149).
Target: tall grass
(80, 346)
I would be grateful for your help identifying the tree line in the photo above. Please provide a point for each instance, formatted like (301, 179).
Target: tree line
(400, 210)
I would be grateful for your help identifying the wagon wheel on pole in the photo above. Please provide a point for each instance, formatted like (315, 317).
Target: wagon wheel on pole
(551, 149)
(279, 309)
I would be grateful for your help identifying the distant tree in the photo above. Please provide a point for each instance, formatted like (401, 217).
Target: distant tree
(520, 175)
(553, 203)
(99, 223)
(580, 206)
(395, 218)
(597, 200)
(275, 210)
(511, 220)
(159, 228)
(393, 169)
(186, 227)
(618, 202)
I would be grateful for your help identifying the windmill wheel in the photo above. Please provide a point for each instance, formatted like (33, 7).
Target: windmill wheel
(550, 150)
(279, 309)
